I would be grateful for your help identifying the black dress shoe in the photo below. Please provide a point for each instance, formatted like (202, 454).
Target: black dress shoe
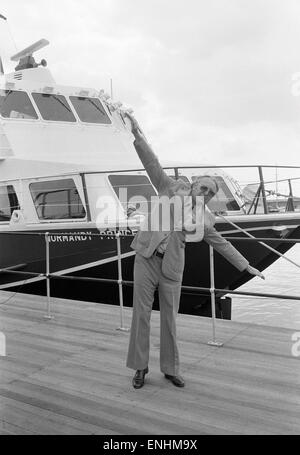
(139, 378)
(176, 380)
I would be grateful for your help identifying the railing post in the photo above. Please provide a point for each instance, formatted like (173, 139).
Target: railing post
(48, 315)
(254, 202)
(263, 191)
(213, 298)
(120, 281)
(290, 202)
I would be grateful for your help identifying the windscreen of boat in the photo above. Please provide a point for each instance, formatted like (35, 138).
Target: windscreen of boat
(57, 200)
(224, 200)
(8, 202)
(54, 107)
(90, 110)
(17, 105)
(133, 190)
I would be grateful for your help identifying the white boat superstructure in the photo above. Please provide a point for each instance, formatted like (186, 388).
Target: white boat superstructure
(44, 121)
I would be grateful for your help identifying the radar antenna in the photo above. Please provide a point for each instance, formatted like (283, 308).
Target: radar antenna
(25, 58)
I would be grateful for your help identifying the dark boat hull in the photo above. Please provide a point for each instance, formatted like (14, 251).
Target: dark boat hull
(86, 255)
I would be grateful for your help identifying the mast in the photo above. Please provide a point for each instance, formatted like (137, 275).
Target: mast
(1, 64)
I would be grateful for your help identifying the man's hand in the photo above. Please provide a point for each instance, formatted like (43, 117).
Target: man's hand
(255, 272)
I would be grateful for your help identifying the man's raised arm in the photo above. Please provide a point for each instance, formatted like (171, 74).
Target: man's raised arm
(150, 161)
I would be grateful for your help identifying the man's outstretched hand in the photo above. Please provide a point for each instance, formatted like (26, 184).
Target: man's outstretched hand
(255, 272)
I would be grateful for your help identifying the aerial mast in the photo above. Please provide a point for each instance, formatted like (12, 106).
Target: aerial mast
(1, 64)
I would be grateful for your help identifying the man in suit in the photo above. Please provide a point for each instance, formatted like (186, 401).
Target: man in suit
(160, 262)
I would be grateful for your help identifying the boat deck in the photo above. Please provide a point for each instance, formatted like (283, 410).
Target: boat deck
(68, 375)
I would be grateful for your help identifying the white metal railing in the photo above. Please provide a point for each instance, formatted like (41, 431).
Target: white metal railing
(48, 276)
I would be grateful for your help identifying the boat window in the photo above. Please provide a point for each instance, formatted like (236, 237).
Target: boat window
(54, 107)
(57, 200)
(133, 190)
(8, 202)
(90, 110)
(224, 200)
(15, 104)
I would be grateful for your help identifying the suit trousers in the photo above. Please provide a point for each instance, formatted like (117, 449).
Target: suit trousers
(147, 277)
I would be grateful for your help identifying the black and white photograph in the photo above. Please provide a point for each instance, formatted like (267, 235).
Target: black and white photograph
(149, 220)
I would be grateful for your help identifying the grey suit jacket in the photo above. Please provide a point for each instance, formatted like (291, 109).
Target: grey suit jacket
(146, 242)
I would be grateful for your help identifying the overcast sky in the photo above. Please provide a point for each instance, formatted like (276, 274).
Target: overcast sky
(209, 80)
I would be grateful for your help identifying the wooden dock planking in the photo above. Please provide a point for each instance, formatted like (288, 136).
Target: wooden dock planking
(42, 421)
(68, 375)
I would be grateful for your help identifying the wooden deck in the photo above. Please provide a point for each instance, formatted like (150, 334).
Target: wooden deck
(68, 375)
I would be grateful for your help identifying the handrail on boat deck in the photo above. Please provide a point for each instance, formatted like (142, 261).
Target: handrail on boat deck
(213, 290)
(260, 193)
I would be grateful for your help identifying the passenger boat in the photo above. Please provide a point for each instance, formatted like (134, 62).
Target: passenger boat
(62, 150)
